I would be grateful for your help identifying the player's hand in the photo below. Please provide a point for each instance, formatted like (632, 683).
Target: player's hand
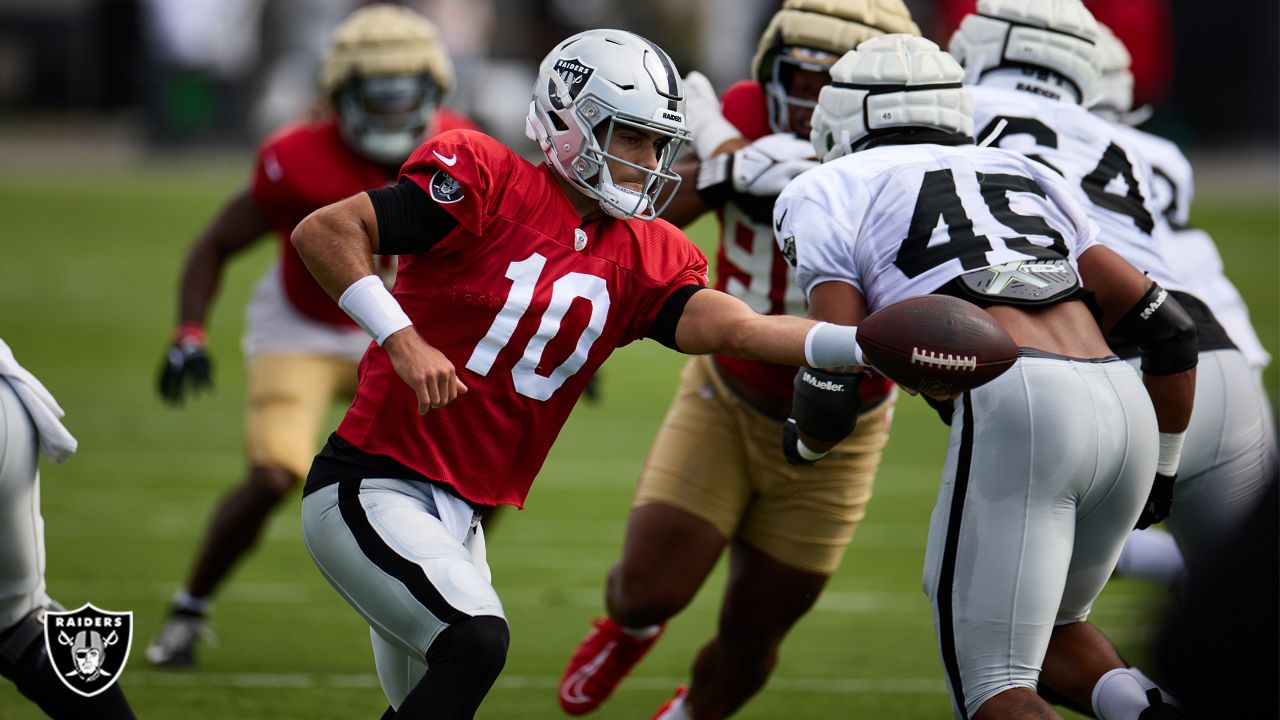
(791, 445)
(1159, 502)
(423, 368)
(703, 117)
(187, 368)
(765, 166)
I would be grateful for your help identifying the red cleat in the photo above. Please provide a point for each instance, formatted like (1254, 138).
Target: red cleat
(681, 691)
(605, 657)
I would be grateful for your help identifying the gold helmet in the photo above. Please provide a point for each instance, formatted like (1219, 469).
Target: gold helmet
(386, 73)
(812, 35)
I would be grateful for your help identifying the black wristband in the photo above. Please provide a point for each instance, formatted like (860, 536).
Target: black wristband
(826, 404)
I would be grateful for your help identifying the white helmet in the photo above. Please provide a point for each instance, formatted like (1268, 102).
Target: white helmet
(888, 84)
(1114, 98)
(1055, 35)
(385, 73)
(593, 83)
(812, 35)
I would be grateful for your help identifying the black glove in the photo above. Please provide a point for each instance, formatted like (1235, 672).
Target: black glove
(789, 448)
(186, 369)
(1159, 502)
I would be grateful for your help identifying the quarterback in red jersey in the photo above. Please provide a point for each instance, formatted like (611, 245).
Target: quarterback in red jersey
(515, 283)
(714, 477)
(384, 77)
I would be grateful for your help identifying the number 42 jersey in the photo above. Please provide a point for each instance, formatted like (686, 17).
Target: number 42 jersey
(903, 220)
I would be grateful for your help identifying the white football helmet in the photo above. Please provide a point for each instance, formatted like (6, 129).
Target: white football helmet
(589, 86)
(386, 73)
(1056, 35)
(1114, 98)
(812, 35)
(890, 83)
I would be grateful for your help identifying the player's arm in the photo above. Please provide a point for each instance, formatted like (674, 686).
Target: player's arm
(1135, 308)
(825, 403)
(337, 243)
(712, 136)
(187, 367)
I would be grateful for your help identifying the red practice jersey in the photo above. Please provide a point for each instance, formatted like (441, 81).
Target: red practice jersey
(302, 168)
(750, 266)
(526, 300)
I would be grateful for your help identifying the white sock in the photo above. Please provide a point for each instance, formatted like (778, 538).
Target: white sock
(676, 711)
(183, 600)
(1119, 695)
(643, 633)
(1151, 555)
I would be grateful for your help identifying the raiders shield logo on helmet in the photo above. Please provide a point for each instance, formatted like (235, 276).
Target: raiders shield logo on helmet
(575, 76)
(88, 646)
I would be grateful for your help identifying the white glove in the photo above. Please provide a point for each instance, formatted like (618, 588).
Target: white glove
(766, 166)
(702, 116)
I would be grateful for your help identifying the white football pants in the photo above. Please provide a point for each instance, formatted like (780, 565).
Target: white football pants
(409, 557)
(1228, 456)
(22, 587)
(1047, 469)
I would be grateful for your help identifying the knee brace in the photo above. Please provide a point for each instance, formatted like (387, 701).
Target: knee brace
(479, 644)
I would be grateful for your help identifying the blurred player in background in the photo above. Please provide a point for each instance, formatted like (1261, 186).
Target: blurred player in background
(1049, 465)
(1031, 70)
(1194, 256)
(524, 279)
(383, 79)
(714, 476)
(29, 425)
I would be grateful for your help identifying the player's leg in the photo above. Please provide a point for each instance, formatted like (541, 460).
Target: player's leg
(1080, 663)
(409, 569)
(1227, 459)
(792, 538)
(288, 396)
(689, 499)
(23, 656)
(1001, 533)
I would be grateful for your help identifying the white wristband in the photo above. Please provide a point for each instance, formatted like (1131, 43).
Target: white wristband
(1170, 453)
(829, 346)
(372, 307)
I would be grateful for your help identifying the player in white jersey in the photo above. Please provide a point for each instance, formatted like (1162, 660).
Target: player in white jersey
(30, 424)
(1148, 553)
(1049, 465)
(1032, 64)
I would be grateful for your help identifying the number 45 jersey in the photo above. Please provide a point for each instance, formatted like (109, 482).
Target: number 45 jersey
(526, 301)
(904, 220)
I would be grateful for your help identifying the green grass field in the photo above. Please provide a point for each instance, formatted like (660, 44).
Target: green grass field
(87, 285)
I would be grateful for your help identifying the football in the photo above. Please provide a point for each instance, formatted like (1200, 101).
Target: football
(936, 344)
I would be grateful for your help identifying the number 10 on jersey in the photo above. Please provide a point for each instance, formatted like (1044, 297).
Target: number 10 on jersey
(524, 276)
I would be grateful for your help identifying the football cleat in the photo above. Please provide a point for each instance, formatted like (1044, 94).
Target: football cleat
(670, 704)
(605, 657)
(175, 645)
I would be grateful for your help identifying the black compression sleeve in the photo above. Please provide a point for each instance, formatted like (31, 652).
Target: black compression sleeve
(664, 325)
(1163, 331)
(409, 221)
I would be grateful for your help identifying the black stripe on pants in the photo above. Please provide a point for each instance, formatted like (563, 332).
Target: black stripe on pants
(409, 573)
(946, 578)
